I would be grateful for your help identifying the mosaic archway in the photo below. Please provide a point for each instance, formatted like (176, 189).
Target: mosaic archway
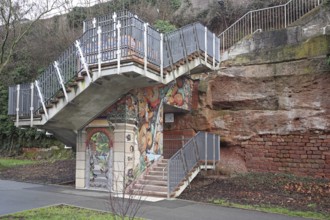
(99, 148)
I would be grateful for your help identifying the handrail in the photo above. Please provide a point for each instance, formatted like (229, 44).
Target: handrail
(132, 34)
(270, 18)
(202, 147)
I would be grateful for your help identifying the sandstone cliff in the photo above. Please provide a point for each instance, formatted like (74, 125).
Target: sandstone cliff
(270, 102)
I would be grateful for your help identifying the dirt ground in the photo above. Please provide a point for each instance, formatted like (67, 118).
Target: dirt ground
(58, 172)
(281, 190)
(296, 193)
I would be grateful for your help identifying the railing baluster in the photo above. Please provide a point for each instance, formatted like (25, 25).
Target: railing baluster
(60, 80)
(118, 46)
(161, 57)
(32, 102)
(145, 47)
(205, 146)
(18, 88)
(41, 99)
(99, 47)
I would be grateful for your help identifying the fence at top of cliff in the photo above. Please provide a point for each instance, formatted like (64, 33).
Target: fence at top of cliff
(107, 40)
(271, 18)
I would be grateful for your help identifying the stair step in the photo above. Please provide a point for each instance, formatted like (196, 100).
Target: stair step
(160, 169)
(54, 101)
(79, 78)
(154, 177)
(49, 106)
(153, 182)
(73, 84)
(160, 164)
(60, 95)
(149, 193)
(158, 173)
(143, 187)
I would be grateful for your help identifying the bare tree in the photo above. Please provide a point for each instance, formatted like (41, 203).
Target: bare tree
(16, 19)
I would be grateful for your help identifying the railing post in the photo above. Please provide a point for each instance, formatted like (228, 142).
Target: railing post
(118, 46)
(184, 161)
(184, 49)
(205, 45)
(84, 26)
(219, 145)
(99, 47)
(18, 88)
(214, 151)
(219, 54)
(168, 180)
(205, 146)
(32, 107)
(41, 98)
(82, 59)
(196, 150)
(60, 80)
(213, 51)
(94, 22)
(161, 57)
(251, 23)
(285, 22)
(145, 47)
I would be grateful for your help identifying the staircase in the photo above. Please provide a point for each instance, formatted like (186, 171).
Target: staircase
(265, 19)
(113, 56)
(170, 177)
(153, 182)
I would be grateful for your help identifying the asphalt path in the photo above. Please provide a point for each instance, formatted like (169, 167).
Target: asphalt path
(17, 196)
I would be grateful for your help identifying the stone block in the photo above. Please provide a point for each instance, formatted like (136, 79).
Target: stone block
(80, 183)
(80, 174)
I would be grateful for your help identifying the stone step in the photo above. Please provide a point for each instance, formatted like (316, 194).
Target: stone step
(149, 193)
(153, 182)
(143, 187)
(161, 164)
(155, 177)
(158, 173)
(159, 169)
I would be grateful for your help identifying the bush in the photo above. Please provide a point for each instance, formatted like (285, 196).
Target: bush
(164, 26)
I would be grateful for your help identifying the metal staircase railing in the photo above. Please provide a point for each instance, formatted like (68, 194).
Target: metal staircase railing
(203, 147)
(116, 37)
(266, 19)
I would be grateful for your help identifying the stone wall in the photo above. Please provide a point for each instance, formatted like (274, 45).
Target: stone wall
(302, 154)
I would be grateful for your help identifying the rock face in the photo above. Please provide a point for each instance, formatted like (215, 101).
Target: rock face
(272, 106)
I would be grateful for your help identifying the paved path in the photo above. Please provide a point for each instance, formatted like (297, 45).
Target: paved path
(16, 196)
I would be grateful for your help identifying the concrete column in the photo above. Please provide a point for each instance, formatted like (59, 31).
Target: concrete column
(81, 160)
(123, 154)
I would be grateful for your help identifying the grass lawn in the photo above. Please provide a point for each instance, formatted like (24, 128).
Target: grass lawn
(60, 212)
(274, 209)
(8, 162)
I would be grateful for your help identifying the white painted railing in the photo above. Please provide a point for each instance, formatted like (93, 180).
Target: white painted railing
(266, 19)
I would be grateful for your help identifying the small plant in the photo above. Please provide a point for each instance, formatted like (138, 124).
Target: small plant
(164, 26)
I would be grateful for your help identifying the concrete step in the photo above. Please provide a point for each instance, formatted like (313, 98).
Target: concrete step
(155, 177)
(156, 188)
(153, 182)
(149, 193)
(158, 173)
(161, 164)
(159, 169)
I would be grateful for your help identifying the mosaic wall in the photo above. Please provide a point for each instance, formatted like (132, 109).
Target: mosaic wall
(144, 108)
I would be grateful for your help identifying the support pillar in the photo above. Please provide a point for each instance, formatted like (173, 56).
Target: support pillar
(124, 153)
(81, 168)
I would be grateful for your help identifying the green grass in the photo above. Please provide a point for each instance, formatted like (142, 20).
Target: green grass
(274, 209)
(8, 163)
(60, 212)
